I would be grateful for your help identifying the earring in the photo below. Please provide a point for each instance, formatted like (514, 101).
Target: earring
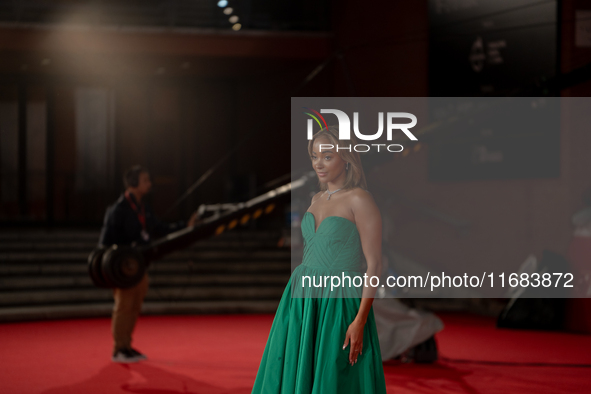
(347, 167)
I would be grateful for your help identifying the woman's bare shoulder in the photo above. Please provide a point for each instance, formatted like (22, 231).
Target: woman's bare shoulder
(361, 198)
(359, 193)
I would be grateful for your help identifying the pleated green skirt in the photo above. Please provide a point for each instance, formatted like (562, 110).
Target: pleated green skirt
(304, 352)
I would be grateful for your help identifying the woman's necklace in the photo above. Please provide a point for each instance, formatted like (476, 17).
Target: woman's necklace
(331, 193)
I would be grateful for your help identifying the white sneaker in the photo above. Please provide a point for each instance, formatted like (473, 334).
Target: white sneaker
(138, 354)
(125, 356)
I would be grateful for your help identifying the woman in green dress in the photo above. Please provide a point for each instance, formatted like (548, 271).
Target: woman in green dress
(323, 339)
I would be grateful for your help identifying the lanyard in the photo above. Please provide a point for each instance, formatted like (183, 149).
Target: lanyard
(140, 215)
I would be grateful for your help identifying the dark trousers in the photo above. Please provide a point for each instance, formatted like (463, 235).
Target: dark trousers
(128, 304)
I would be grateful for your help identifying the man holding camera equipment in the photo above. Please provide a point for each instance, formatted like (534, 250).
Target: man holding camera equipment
(130, 222)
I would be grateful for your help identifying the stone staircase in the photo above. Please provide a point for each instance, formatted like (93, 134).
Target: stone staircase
(44, 275)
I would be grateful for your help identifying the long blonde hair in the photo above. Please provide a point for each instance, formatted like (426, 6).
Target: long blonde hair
(355, 175)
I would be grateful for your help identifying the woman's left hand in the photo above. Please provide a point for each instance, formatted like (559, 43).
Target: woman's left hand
(354, 336)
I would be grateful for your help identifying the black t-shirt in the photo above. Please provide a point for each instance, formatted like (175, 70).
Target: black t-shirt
(122, 226)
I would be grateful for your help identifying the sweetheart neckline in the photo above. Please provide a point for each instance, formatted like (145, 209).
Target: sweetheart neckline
(333, 216)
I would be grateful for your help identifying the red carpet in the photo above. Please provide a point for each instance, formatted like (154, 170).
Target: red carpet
(220, 354)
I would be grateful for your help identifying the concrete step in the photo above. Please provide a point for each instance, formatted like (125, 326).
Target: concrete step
(93, 236)
(93, 295)
(87, 246)
(217, 255)
(162, 266)
(31, 246)
(40, 235)
(149, 308)
(192, 278)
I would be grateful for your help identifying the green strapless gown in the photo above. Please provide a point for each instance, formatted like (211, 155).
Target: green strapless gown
(304, 353)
